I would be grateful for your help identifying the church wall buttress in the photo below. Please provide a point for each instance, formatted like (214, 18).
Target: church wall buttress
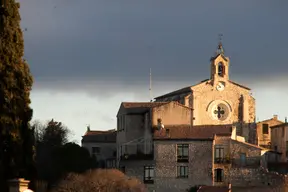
(245, 110)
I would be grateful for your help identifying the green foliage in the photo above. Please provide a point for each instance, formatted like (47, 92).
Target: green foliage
(16, 146)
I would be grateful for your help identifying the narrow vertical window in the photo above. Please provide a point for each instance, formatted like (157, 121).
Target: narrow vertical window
(221, 69)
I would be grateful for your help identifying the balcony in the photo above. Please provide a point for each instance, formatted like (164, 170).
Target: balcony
(222, 160)
(137, 156)
(249, 162)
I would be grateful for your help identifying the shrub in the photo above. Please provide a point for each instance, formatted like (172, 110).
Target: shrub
(99, 180)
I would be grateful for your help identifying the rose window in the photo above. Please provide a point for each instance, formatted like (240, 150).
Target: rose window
(220, 112)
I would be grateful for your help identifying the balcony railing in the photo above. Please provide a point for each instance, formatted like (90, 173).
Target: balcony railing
(248, 162)
(137, 156)
(222, 160)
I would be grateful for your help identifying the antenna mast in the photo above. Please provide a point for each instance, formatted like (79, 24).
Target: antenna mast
(150, 87)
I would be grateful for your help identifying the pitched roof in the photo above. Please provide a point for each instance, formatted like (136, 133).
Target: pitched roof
(279, 125)
(179, 91)
(215, 57)
(100, 136)
(271, 119)
(142, 104)
(196, 132)
(237, 84)
(98, 132)
(188, 89)
(251, 145)
(213, 189)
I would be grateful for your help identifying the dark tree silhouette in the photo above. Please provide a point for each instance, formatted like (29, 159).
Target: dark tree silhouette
(16, 142)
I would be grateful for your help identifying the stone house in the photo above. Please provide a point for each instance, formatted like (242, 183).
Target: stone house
(279, 140)
(264, 131)
(211, 155)
(136, 120)
(101, 145)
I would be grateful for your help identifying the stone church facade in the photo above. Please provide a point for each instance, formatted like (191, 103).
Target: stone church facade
(218, 100)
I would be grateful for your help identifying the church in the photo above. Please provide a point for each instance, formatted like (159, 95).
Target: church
(203, 134)
(218, 100)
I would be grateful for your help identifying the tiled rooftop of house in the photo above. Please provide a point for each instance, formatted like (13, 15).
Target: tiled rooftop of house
(108, 136)
(142, 104)
(195, 132)
(99, 132)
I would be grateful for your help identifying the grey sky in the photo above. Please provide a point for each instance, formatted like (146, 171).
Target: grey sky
(87, 56)
(73, 41)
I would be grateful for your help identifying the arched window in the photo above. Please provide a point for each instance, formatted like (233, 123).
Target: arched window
(221, 69)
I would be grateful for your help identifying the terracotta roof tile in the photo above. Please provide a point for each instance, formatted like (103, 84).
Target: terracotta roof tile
(99, 132)
(279, 125)
(142, 104)
(213, 189)
(195, 132)
(100, 136)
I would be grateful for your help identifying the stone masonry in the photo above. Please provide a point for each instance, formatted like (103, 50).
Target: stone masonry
(199, 165)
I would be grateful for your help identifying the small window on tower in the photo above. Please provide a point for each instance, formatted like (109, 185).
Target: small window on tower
(220, 69)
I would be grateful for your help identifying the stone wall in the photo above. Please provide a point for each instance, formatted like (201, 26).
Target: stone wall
(264, 139)
(172, 114)
(258, 177)
(136, 169)
(199, 165)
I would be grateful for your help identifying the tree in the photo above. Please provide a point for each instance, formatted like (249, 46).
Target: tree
(71, 158)
(50, 138)
(16, 142)
(55, 134)
(99, 180)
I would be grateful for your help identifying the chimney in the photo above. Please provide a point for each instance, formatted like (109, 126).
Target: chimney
(275, 117)
(229, 187)
(285, 119)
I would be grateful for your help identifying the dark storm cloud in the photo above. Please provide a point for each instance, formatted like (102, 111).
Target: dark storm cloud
(116, 42)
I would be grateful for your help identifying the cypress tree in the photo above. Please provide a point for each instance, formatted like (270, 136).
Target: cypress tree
(16, 137)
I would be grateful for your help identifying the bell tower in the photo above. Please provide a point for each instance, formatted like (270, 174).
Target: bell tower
(219, 64)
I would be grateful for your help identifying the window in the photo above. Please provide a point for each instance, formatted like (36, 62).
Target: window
(265, 128)
(283, 131)
(182, 152)
(219, 175)
(220, 69)
(148, 174)
(275, 148)
(95, 150)
(182, 171)
(219, 153)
